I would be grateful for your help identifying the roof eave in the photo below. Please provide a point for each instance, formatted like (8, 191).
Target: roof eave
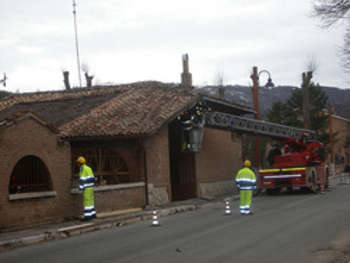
(245, 109)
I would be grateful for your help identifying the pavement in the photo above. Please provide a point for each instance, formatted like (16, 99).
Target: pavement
(50, 232)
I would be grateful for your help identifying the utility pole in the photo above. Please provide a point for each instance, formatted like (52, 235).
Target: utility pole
(76, 40)
(255, 78)
(330, 126)
(306, 80)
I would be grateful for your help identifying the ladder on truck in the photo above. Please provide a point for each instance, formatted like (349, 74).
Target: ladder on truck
(258, 127)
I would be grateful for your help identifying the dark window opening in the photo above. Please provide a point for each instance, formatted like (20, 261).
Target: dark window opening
(107, 165)
(30, 175)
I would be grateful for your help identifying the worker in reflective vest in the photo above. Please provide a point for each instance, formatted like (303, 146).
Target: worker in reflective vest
(246, 183)
(86, 184)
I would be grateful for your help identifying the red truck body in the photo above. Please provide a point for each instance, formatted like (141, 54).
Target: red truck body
(300, 165)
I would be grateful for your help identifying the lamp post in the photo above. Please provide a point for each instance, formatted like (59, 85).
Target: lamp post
(255, 77)
(331, 141)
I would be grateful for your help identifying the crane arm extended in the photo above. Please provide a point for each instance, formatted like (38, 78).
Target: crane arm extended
(258, 127)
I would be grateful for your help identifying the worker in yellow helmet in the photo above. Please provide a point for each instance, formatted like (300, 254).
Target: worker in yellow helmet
(246, 183)
(86, 184)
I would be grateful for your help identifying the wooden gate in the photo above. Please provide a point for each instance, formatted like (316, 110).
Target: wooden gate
(182, 167)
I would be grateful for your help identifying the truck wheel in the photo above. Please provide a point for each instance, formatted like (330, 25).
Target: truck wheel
(290, 189)
(273, 191)
(327, 179)
(314, 187)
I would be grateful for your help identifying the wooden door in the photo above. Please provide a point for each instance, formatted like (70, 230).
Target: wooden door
(182, 167)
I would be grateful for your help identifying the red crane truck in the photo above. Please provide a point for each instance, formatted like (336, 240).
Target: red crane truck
(300, 165)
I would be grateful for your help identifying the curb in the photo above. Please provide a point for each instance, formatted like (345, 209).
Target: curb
(123, 220)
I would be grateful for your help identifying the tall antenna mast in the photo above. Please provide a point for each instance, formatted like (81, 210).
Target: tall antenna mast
(76, 39)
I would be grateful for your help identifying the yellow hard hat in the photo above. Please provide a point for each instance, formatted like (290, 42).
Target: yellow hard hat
(81, 160)
(247, 163)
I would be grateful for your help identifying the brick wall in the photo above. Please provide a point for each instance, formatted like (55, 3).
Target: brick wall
(114, 199)
(218, 162)
(29, 137)
(341, 126)
(158, 167)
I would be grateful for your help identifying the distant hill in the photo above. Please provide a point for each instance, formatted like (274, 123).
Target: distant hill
(340, 98)
(4, 93)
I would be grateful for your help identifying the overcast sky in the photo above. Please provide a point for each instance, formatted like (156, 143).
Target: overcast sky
(125, 41)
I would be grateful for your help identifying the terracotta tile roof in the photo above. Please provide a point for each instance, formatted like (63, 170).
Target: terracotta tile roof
(13, 99)
(139, 110)
(57, 112)
(128, 110)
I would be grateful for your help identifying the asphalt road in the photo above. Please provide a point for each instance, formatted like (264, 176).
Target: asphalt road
(284, 228)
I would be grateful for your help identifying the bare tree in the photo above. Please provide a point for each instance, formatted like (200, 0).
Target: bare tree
(312, 65)
(345, 51)
(219, 78)
(85, 68)
(219, 81)
(330, 12)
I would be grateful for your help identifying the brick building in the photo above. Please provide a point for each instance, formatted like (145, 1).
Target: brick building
(131, 135)
(341, 144)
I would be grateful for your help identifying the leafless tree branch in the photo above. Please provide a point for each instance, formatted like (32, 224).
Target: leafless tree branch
(331, 11)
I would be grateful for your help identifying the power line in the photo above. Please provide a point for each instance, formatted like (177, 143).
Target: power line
(76, 39)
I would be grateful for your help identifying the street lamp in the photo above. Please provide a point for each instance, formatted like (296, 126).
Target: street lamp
(269, 83)
(255, 77)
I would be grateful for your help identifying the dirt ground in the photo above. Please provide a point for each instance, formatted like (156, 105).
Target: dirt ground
(338, 252)
(332, 256)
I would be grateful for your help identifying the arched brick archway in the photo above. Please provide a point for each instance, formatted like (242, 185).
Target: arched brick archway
(30, 174)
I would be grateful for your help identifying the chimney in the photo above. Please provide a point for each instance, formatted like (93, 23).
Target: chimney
(66, 79)
(88, 80)
(186, 76)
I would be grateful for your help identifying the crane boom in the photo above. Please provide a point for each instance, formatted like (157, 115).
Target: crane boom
(258, 127)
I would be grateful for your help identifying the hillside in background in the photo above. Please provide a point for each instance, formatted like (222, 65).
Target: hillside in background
(340, 98)
(4, 93)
